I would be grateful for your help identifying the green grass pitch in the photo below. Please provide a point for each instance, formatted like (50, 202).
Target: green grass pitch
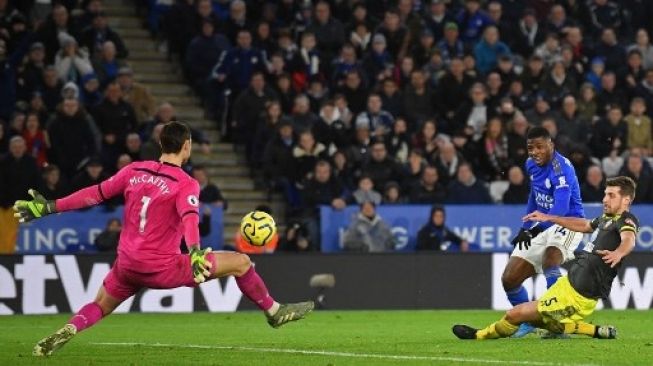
(326, 338)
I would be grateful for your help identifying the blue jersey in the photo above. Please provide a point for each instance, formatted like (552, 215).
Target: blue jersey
(554, 189)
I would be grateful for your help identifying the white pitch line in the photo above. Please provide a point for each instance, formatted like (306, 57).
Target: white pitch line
(333, 353)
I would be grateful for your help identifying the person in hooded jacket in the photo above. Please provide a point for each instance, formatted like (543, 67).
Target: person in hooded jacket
(435, 235)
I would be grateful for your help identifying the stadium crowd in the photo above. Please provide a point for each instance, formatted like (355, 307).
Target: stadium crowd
(338, 102)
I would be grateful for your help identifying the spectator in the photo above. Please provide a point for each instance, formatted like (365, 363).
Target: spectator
(354, 92)
(236, 66)
(534, 74)
(435, 235)
(122, 161)
(438, 20)
(133, 146)
(604, 14)
(378, 120)
(395, 33)
(92, 174)
(597, 69)
(453, 88)
(201, 54)
(248, 107)
(343, 170)
(50, 91)
(380, 167)
(209, 192)
(529, 34)
(303, 119)
(518, 189)
(378, 63)
(90, 94)
(592, 190)
(570, 123)
(346, 62)
(366, 192)
(398, 141)
(610, 49)
(330, 129)
(494, 159)
(466, 189)
(151, 149)
(425, 51)
(488, 50)
(30, 78)
(642, 175)
(95, 36)
(71, 136)
(610, 94)
(643, 44)
(392, 194)
(328, 31)
(305, 154)
(450, 45)
(115, 118)
(18, 174)
(70, 62)
(368, 232)
(541, 111)
(58, 23)
(610, 134)
(36, 140)
(428, 190)
(278, 162)
(296, 238)
(137, 95)
(587, 104)
(639, 127)
(428, 140)
(52, 187)
(236, 22)
(419, 99)
(321, 189)
(108, 239)
(473, 114)
(558, 83)
(473, 21)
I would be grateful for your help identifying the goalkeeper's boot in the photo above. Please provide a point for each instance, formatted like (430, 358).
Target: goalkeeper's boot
(464, 331)
(606, 332)
(51, 343)
(524, 329)
(290, 312)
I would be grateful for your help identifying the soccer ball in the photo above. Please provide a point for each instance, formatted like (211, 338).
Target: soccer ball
(257, 228)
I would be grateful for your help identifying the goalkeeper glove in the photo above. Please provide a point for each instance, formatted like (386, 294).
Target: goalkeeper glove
(199, 263)
(524, 237)
(38, 207)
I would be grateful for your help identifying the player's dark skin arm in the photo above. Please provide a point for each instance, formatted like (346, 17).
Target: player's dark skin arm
(577, 224)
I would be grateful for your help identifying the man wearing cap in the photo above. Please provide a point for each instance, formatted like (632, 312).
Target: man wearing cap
(31, 76)
(99, 32)
(450, 45)
(137, 95)
(378, 63)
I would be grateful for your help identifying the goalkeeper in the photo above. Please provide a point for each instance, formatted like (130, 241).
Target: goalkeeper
(161, 207)
(572, 298)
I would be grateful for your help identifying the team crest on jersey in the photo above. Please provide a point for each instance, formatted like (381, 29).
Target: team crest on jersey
(193, 201)
(547, 183)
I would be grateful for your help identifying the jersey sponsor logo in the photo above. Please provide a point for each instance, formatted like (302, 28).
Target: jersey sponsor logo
(543, 200)
(149, 179)
(193, 201)
(562, 182)
(607, 224)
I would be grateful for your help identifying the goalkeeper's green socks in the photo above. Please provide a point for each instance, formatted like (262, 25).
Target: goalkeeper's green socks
(500, 329)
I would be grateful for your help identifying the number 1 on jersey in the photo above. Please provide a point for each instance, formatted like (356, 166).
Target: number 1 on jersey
(146, 203)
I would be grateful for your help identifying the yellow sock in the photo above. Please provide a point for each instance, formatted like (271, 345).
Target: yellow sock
(500, 329)
(580, 328)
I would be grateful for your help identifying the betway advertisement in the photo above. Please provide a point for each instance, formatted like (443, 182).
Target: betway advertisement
(47, 284)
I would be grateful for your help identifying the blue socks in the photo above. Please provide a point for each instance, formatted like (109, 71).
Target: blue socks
(552, 274)
(517, 296)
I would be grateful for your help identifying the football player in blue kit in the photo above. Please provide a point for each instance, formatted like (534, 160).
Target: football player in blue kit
(541, 247)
